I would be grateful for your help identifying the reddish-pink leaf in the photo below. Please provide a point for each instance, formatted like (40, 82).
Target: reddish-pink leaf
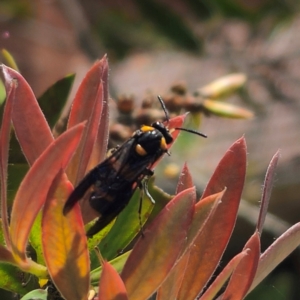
(218, 283)
(100, 145)
(185, 180)
(203, 211)
(244, 273)
(268, 185)
(90, 134)
(5, 255)
(64, 243)
(198, 268)
(85, 97)
(230, 173)
(4, 145)
(155, 254)
(111, 286)
(30, 125)
(276, 253)
(34, 188)
(87, 106)
(170, 287)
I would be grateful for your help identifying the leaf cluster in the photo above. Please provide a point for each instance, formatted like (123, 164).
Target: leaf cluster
(180, 249)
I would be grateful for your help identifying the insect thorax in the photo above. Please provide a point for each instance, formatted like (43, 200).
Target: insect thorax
(152, 141)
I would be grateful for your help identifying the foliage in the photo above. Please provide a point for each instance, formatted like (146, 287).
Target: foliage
(179, 250)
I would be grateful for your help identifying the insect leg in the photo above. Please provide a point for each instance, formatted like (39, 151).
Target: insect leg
(143, 186)
(146, 191)
(140, 207)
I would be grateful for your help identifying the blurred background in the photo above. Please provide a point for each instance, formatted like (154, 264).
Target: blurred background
(152, 45)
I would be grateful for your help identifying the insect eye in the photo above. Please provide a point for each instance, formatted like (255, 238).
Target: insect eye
(164, 130)
(140, 150)
(159, 126)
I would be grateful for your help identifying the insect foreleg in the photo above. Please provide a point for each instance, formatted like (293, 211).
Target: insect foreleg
(146, 191)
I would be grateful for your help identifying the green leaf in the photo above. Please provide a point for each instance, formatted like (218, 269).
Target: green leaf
(126, 227)
(118, 263)
(16, 173)
(38, 294)
(12, 279)
(222, 87)
(226, 110)
(2, 95)
(36, 239)
(161, 199)
(11, 62)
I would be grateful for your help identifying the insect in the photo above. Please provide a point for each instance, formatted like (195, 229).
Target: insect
(115, 179)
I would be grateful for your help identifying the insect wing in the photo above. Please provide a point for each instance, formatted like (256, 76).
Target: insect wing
(103, 175)
(80, 190)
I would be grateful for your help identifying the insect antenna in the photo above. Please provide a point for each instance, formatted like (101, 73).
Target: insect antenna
(191, 131)
(162, 103)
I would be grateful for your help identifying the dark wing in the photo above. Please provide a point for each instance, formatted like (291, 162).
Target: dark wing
(112, 210)
(102, 172)
(135, 167)
(79, 191)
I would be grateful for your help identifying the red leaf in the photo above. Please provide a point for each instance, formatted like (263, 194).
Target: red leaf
(111, 285)
(170, 287)
(34, 188)
(87, 106)
(155, 254)
(30, 125)
(204, 210)
(200, 240)
(5, 255)
(229, 173)
(268, 185)
(4, 145)
(276, 253)
(185, 180)
(64, 243)
(218, 283)
(100, 145)
(244, 273)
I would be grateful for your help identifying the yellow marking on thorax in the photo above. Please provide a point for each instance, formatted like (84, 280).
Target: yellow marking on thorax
(163, 144)
(145, 128)
(140, 150)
